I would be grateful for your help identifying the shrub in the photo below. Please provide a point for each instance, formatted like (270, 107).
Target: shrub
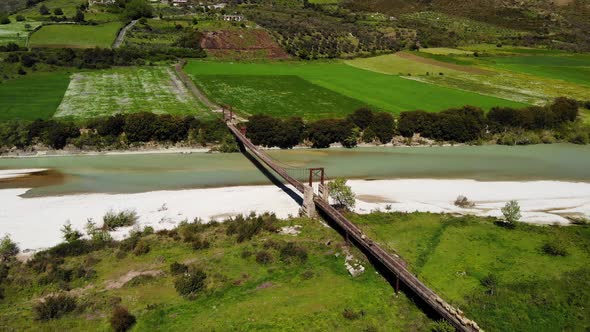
(141, 248)
(247, 228)
(190, 283)
(442, 326)
(121, 320)
(264, 257)
(70, 234)
(293, 252)
(178, 268)
(490, 282)
(54, 306)
(199, 244)
(8, 248)
(555, 248)
(20, 18)
(3, 272)
(4, 20)
(341, 193)
(578, 137)
(113, 220)
(350, 314)
(463, 202)
(1, 293)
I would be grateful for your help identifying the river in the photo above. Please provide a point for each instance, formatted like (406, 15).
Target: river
(149, 172)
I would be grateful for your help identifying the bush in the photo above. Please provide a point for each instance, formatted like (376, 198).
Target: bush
(178, 268)
(555, 248)
(54, 306)
(291, 252)
(4, 20)
(247, 228)
(112, 220)
(578, 137)
(199, 244)
(8, 248)
(511, 212)
(264, 257)
(141, 248)
(190, 283)
(442, 326)
(463, 202)
(121, 320)
(490, 282)
(1, 293)
(350, 314)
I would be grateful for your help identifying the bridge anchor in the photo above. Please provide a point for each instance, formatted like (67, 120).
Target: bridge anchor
(308, 203)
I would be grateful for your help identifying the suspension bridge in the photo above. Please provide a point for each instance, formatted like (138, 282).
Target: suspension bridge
(318, 204)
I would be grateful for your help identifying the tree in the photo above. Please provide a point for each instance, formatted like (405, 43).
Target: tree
(511, 212)
(79, 17)
(20, 18)
(58, 11)
(341, 193)
(136, 9)
(383, 126)
(43, 10)
(140, 127)
(4, 19)
(8, 248)
(565, 109)
(362, 117)
(70, 234)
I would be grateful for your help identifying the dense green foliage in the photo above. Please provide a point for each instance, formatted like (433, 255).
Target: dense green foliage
(115, 132)
(287, 133)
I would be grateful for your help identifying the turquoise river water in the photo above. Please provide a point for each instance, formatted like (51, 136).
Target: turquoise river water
(148, 172)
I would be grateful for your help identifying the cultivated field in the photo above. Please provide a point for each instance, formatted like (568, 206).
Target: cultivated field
(385, 92)
(16, 32)
(68, 7)
(35, 96)
(127, 90)
(502, 278)
(76, 36)
(394, 64)
(526, 75)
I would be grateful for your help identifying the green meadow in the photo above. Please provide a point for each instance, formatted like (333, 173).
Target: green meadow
(35, 96)
(454, 256)
(16, 32)
(389, 93)
(76, 36)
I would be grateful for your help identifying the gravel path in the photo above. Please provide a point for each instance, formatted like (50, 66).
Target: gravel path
(122, 33)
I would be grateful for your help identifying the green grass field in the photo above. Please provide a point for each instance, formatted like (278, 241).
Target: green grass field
(445, 51)
(76, 36)
(35, 96)
(394, 64)
(453, 256)
(385, 92)
(68, 7)
(128, 90)
(241, 295)
(16, 32)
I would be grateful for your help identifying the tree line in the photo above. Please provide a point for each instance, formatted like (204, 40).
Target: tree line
(117, 131)
(468, 124)
(363, 124)
(96, 57)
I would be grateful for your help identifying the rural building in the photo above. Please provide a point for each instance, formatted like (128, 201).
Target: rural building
(102, 2)
(235, 18)
(179, 3)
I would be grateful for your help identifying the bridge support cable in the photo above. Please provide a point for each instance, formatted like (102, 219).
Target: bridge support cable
(393, 264)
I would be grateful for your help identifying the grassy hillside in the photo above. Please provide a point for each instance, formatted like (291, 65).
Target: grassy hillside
(304, 289)
(503, 278)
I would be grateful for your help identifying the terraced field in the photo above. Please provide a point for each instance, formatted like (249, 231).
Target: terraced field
(128, 90)
(384, 92)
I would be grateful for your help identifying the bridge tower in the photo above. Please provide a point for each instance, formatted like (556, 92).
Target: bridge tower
(309, 207)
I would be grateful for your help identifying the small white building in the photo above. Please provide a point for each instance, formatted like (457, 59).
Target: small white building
(234, 18)
(179, 3)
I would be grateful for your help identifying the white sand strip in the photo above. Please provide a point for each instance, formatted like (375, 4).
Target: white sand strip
(14, 173)
(36, 222)
(541, 202)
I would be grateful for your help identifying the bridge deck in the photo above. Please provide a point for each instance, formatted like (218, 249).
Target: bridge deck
(395, 265)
